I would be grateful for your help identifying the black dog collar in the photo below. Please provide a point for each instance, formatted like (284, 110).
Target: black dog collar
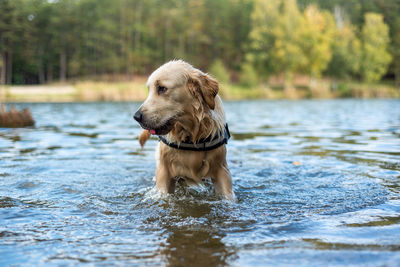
(204, 144)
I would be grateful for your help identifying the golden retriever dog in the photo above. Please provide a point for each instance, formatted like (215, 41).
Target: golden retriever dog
(186, 113)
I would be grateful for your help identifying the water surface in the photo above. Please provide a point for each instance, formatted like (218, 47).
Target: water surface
(317, 183)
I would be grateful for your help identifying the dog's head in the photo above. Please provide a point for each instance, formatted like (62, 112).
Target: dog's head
(173, 89)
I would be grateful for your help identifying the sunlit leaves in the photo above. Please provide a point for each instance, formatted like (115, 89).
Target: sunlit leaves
(375, 58)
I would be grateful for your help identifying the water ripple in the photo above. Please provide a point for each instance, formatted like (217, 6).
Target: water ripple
(317, 182)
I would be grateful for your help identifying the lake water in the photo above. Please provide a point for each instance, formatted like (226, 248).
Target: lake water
(317, 184)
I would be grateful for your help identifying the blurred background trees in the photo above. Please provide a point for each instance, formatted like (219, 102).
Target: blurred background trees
(375, 40)
(244, 41)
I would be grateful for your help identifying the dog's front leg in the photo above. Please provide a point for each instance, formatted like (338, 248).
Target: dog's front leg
(164, 182)
(223, 182)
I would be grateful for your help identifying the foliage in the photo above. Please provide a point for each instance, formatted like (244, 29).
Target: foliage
(248, 76)
(219, 71)
(42, 41)
(276, 38)
(318, 35)
(375, 58)
(264, 15)
(346, 49)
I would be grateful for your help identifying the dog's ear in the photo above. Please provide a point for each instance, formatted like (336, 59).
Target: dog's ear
(209, 89)
(205, 86)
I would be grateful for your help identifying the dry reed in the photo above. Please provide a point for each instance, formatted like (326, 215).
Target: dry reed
(14, 118)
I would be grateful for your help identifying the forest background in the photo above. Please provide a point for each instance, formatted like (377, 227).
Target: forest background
(256, 48)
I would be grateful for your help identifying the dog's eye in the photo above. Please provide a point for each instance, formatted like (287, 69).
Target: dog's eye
(161, 89)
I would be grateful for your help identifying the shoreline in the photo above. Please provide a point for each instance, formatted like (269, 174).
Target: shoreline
(95, 91)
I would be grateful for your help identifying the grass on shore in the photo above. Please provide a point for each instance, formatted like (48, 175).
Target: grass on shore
(135, 90)
(323, 90)
(111, 91)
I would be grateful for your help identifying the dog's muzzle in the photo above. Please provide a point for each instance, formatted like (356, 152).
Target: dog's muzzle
(138, 116)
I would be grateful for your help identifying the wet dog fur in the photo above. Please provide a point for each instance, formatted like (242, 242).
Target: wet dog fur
(183, 104)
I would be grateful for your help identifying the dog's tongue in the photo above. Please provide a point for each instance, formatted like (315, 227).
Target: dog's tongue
(152, 131)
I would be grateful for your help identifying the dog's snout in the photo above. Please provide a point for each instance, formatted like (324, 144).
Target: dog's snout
(138, 116)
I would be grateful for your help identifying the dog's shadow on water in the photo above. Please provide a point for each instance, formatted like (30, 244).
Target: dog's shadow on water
(190, 222)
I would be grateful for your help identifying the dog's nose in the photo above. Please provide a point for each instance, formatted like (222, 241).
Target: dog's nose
(138, 116)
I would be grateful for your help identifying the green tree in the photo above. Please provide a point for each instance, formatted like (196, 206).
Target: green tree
(248, 76)
(277, 36)
(263, 19)
(395, 49)
(347, 53)
(354, 10)
(39, 33)
(219, 71)
(318, 34)
(375, 55)
(11, 25)
(391, 11)
(40, 39)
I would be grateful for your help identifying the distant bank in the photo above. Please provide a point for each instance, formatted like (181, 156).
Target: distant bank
(136, 91)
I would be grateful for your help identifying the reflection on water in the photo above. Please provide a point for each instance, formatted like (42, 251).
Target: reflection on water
(197, 247)
(197, 240)
(317, 182)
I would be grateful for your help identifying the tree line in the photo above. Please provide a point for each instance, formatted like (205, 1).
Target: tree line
(46, 40)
